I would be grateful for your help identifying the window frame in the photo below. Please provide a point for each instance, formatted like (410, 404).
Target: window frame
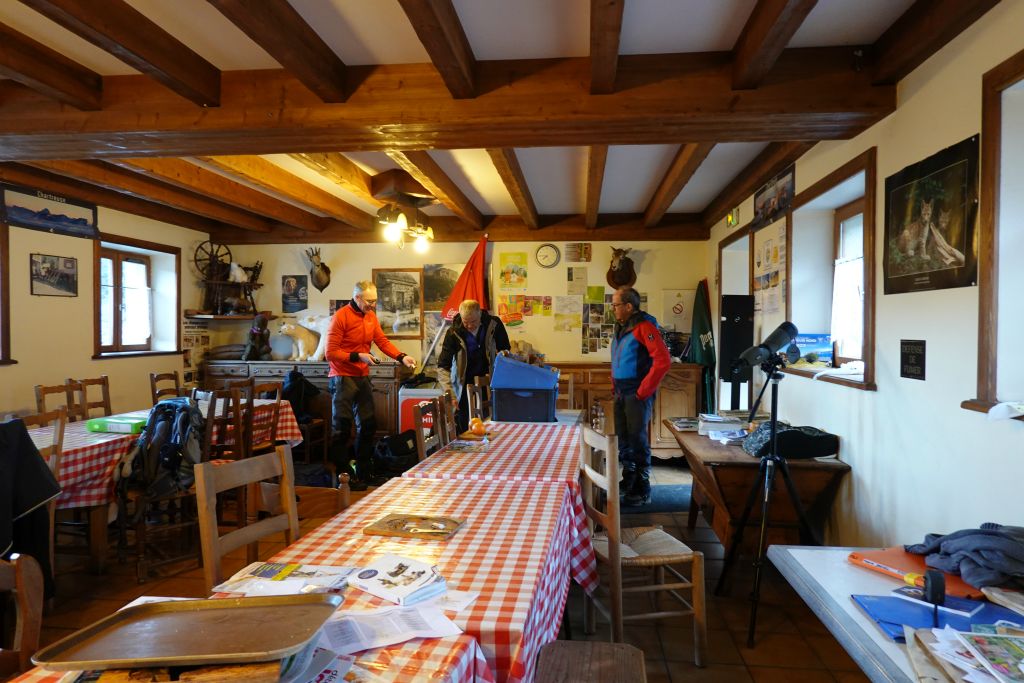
(735, 236)
(118, 258)
(865, 163)
(5, 295)
(98, 253)
(1001, 77)
(839, 216)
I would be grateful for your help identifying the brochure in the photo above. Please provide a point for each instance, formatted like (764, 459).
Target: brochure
(353, 631)
(1003, 656)
(271, 578)
(401, 580)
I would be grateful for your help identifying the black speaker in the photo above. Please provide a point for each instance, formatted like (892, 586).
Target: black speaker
(736, 335)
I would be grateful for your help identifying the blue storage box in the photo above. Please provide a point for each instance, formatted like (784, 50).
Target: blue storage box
(522, 392)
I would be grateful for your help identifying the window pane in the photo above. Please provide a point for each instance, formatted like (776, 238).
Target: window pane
(851, 232)
(136, 318)
(134, 274)
(848, 307)
(106, 272)
(106, 314)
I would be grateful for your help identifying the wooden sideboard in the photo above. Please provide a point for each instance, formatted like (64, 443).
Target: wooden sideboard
(678, 396)
(384, 379)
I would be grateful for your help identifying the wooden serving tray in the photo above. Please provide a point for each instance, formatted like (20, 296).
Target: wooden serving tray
(414, 526)
(193, 632)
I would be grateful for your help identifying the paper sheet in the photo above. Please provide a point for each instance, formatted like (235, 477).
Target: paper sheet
(351, 631)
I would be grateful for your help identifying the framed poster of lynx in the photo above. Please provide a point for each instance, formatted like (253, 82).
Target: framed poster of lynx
(931, 211)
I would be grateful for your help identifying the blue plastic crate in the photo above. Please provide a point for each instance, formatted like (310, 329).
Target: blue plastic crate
(509, 373)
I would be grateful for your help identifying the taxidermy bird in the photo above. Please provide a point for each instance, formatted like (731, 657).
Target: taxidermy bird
(319, 273)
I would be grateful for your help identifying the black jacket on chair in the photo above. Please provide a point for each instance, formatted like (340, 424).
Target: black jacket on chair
(26, 486)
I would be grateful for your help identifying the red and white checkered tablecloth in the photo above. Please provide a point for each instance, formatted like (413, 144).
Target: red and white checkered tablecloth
(514, 547)
(88, 459)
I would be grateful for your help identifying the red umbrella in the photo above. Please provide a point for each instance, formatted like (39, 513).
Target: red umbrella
(470, 284)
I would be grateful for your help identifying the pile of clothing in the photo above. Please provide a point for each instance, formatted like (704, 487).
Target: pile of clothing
(992, 555)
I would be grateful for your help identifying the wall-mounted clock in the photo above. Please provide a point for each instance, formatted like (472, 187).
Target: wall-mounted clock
(548, 255)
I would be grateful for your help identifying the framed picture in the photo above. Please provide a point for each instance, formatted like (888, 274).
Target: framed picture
(400, 301)
(53, 275)
(774, 198)
(438, 282)
(931, 210)
(38, 210)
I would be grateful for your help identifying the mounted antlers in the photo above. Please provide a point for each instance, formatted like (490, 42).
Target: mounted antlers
(319, 273)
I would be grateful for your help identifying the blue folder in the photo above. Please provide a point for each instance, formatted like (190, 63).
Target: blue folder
(891, 613)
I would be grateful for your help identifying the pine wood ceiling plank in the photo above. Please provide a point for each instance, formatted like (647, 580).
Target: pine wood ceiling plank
(28, 176)
(189, 176)
(275, 26)
(126, 33)
(120, 180)
(920, 32)
(811, 95)
(597, 157)
(50, 73)
(426, 171)
(261, 172)
(768, 30)
(439, 29)
(605, 30)
(774, 159)
(507, 165)
(687, 160)
(341, 170)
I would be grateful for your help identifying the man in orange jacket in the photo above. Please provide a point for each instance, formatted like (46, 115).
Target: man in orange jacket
(353, 328)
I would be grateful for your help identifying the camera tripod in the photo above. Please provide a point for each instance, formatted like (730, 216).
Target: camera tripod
(770, 463)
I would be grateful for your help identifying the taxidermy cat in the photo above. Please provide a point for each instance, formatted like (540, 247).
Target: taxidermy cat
(950, 256)
(914, 238)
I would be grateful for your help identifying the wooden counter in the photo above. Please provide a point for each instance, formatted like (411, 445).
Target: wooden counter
(722, 479)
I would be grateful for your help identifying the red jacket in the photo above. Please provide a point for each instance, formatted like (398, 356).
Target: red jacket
(351, 333)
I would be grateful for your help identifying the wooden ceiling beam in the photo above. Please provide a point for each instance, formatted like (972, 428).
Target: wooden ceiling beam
(437, 24)
(605, 29)
(597, 156)
(275, 26)
(341, 170)
(137, 185)
(768, 30)
(430, 175)
(265, 174)
(21, 174)
(507, 165)
(687, 160)
(188, 176)
(811, 95)
(49, 73)
(126, 33)
(618, 227)
(919, 33)
(774, 159)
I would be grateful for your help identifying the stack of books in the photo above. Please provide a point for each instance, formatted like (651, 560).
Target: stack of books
(709, 422)
(684, 424)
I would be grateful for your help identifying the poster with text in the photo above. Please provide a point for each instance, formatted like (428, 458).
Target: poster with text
(294, 293)
(578, 252)
(512, 273)
(576, 281)
(677, 309)
(510, 309)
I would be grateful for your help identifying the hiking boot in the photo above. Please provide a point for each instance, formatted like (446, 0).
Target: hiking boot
(356, 485)
(627, 483)
(641, 491)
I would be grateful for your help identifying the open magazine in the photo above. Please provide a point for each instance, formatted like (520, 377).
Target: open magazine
(276, 578)
(401, 580)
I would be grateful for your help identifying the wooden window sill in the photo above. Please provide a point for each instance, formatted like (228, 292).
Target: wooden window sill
(133, 354)
(833, 379)
(8, 361)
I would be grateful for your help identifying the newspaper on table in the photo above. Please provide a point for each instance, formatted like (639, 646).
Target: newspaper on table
(1002, 656)
(276, 578)
(354, 631)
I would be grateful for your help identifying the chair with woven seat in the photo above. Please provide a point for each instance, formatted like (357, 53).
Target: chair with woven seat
(212, 479)
(63, 394)
(159, 389)
(21, 580)
(428, 432)
(576, 661)
(83, 407)
(57, 421)
(641, 550)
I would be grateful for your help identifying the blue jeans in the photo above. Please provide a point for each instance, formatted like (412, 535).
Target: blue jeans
(632, 415)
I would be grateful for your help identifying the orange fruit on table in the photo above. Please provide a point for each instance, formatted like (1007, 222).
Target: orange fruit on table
(478, 428)
(475, 420)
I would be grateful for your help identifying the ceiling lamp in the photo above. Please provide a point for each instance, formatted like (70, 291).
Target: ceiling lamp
(405, 224)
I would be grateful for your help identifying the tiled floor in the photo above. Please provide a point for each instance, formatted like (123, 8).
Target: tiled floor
(791, 646)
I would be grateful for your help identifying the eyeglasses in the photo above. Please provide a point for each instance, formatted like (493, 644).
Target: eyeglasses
(617, 305)
(370, 302)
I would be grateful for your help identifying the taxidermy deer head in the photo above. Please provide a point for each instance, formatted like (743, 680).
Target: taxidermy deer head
(319, 273)
(621, 272)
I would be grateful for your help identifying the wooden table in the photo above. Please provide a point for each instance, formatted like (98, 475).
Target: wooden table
(722, 479)
(825, 580)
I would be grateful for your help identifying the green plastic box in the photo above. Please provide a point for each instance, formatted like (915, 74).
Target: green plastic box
(117, 425)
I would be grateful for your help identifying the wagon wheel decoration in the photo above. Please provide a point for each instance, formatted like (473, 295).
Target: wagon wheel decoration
(212, 260)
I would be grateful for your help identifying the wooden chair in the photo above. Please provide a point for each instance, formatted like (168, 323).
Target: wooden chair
(265, 419)
(647, 549)
(57, 420)
(83, 407)
(21, 580)
(577, 661)
(565, 400)
(449, 431)
(484, 382)
(427, 444)
(156, 379)
(478, 405)
(59, 390)
(228, 426)
(212, 479)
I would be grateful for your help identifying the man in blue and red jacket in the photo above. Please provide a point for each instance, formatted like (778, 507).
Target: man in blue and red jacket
(639, 362)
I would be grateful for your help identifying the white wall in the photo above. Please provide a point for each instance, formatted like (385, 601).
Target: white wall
(736, 268)
(1010, 380)
(52, 337)
(659, 265)
(920, 463)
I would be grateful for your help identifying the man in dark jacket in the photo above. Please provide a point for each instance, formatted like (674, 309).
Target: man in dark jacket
(639, 362)
(470, 346)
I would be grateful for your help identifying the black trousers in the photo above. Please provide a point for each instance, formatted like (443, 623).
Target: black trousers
(352, 400)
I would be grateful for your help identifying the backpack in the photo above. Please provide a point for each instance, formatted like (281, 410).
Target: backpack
(169, 446)
(299, 391)
(395, 454)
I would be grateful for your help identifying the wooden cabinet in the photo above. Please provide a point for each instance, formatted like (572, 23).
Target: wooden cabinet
(384, 380)
(677, 396)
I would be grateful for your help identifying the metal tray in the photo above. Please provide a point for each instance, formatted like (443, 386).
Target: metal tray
(193, 632)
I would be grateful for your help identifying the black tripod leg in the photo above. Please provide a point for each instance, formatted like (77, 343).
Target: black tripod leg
(737, 535)
(755, 595)
(797, 505)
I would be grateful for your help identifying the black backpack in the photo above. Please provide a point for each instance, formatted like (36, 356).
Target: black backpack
(299, 391)
(170, 445)
(395, 454)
